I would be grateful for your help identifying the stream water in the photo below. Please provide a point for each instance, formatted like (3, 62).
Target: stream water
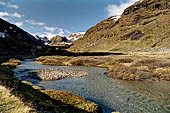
(111, 94)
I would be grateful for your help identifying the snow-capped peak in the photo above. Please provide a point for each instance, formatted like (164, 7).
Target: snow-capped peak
(75, 36)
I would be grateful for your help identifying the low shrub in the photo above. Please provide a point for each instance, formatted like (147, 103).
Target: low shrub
(152, 63)
(12, 63)
(124, 60)
(128, 73)
(85, 62)
(52, 62)
(162, 73)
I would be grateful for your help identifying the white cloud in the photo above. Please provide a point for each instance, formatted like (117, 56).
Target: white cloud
(19, 24)
(9, 5)
(114, 10)
(49, 35)
(16, 15)
(2, 14)
(12, 6)
(67, 32)
(6, 14)
(51, 29)
(32, 22)
(2, 3)
(45, 34)
(4, 18)
(60, 32)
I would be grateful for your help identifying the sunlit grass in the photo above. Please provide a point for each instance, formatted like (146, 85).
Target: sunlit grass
(12, 104)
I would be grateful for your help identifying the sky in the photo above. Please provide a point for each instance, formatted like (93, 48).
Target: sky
(59, 17)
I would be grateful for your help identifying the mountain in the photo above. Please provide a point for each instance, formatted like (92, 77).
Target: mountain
(65, 41)
(60, 41)
(144, 26)
(15, 40)
(75, 36)
(57, 40)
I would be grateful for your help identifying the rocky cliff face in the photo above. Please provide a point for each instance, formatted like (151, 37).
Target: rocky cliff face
(14, 40)
(144, 26)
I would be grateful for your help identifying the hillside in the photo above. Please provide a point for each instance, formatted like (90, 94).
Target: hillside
(15, 40)
(143, 26)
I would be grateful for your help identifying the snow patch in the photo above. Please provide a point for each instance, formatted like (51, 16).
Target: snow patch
(2, 35)
(115, 18)
(10, 28)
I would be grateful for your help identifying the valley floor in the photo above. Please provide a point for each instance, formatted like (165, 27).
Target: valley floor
(18, 96)
(126, 66)
(23, 97)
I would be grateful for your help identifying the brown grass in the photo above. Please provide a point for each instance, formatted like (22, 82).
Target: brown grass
(136, 66)
(11, 103)
(85, 61)
(12, 63)
(140, 28)
(162, 73)
(128, 73)
(124, 60)
(74, 100)
(153, 63)
(52, 60)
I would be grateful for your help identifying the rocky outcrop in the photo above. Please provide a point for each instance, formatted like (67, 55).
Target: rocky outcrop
(142, 26)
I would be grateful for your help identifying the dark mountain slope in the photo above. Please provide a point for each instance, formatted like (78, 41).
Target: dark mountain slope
(15, 40)
(143, 26)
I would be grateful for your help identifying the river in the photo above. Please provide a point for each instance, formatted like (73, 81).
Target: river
(111, 94)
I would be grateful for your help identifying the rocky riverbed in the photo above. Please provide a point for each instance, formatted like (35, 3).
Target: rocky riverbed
(52, 74)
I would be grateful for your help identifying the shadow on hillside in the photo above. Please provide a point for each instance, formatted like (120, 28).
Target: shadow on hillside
(68, 53)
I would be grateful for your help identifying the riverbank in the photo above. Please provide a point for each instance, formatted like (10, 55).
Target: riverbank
(137, 66)
(30, 98)
(111, 94)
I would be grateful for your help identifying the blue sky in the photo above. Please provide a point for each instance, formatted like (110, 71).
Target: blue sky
(62, 17)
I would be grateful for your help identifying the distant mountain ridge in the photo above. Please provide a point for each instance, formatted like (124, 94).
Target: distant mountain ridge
(15, 40)
(65, 41)
(75, 36)
(57, 40)
(144, 26)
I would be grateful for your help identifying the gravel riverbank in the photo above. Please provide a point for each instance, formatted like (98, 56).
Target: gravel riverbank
(51, 75)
